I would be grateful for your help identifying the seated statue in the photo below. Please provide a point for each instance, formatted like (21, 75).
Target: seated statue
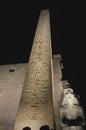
(71, 113)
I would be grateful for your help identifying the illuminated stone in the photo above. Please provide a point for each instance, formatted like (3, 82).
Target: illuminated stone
(36, 108)
(71, 113)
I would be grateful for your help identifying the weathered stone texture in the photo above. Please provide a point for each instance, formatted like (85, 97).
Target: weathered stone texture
(57, 88)
(6, 127)
(71, 113)
(36, 107)
(11, 83)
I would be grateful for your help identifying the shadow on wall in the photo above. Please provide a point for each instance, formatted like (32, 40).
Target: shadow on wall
(44, 127)
(26, 128)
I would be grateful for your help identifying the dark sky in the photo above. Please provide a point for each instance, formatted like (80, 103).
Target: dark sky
(17, 29)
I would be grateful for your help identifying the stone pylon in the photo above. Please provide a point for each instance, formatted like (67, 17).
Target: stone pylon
(36, 107)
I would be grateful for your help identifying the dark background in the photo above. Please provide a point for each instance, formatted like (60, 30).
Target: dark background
(17, 29)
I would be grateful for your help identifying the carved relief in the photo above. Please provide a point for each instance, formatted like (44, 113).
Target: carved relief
(36, 95)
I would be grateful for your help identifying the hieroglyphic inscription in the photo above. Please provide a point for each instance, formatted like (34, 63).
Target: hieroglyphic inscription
(38, 80)
(36, 99)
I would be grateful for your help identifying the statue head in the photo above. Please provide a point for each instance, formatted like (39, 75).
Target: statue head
(67, 91)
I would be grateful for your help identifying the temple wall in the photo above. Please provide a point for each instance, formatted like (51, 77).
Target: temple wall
(11, 83)
(57, 88)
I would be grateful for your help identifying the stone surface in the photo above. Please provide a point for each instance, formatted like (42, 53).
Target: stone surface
(35, 109)
(71, 113)
(19, 73)
(73, 128)
(57, 88)
(11, 83)
(6, 127)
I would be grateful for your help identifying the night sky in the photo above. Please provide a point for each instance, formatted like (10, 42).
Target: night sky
(17, 29)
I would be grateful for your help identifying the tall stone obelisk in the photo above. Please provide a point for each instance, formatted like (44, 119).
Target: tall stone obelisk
(35, 108)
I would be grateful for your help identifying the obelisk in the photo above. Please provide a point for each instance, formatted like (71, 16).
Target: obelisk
(36, 107)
